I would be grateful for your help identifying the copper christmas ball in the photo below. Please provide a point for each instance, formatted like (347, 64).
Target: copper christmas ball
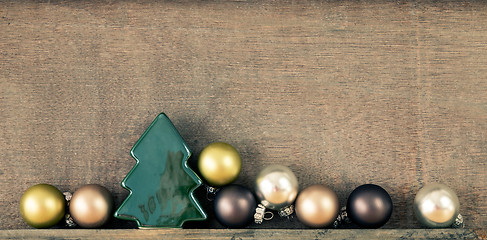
(91, 206)
(42, 206)
(317, 206)
(219, 164)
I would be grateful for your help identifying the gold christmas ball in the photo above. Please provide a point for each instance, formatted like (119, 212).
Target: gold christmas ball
(91, 206)
(317, 206)
(42, 206)
(219, 164)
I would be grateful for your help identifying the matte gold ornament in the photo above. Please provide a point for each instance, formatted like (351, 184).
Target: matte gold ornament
(219, 163)
(317, 206)
(91, 206)
(437, 206)
(42, 206)
(276, 187)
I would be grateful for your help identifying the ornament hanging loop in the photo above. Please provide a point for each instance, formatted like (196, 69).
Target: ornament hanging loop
(260, 214)
(458, 222)
(211, 193)
(69, 221)
(342, 218)
(271, 216)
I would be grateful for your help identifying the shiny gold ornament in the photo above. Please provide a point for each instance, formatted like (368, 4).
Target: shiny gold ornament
(91, 206)
(42, 206)
(276, 186)
(219, 164)
(436, 206)
(317, 206)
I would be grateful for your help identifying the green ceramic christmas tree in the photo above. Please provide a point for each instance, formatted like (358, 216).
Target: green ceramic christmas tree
(161, 184)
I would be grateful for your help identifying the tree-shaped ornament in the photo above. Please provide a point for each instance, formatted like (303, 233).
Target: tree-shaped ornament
(161, 184)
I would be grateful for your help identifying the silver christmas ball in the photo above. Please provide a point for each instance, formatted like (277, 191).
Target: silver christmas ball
(276, 187)
(436, 206)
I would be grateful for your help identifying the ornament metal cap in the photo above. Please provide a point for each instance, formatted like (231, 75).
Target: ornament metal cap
(286, 211)
(260, 213)
(342, 218)
(458, 222)
(68, 220)
(211, 193)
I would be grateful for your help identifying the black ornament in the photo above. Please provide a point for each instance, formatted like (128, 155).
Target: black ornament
(369, 206)
(234, 206)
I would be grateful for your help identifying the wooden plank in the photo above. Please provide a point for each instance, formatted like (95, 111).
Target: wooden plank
(342, 92)
(241, 234)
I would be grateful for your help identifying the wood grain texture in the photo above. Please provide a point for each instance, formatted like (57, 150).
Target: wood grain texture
(342, 92)
(241, 234)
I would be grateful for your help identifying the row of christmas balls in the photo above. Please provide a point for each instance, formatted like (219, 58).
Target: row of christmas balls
(276, 188)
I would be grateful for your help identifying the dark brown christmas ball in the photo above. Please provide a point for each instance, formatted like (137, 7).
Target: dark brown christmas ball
(369, 206)
(234, 206)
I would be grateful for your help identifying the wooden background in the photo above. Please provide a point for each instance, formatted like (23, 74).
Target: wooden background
(343, 92)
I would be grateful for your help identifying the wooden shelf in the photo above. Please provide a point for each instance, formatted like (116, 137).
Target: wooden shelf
(243, 234)
(342, 92)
